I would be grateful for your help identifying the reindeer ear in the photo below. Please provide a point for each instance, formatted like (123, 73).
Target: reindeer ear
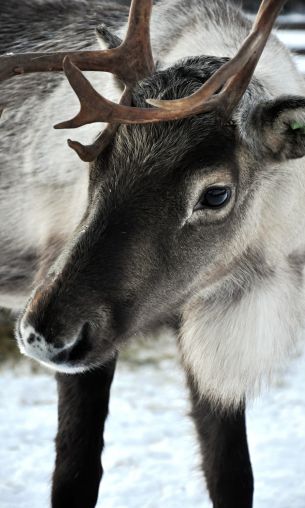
(277, 128)
(108, 40)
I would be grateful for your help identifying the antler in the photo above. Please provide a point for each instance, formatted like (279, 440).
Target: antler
(235, 75)
(132, 61)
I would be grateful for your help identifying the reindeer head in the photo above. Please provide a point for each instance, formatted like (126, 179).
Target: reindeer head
(171, 190)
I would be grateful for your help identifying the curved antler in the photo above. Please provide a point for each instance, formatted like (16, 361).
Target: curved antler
(236, 74)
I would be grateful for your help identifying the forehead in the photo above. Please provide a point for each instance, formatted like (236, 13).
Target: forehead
(158, 151)
(202, 141)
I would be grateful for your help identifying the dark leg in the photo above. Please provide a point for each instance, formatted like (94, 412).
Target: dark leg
(225, 455)
(82, 411)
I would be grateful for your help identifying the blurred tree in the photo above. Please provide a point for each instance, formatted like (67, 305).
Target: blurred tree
(8, 345)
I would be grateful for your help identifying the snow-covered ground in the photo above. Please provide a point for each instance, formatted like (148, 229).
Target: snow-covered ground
(151, 458)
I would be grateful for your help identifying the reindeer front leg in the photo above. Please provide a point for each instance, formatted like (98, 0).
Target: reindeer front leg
(225, 455)
(82, 411)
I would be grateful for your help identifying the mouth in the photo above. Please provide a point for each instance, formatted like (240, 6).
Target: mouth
(86, 351)
(70, 359)
(76, 359)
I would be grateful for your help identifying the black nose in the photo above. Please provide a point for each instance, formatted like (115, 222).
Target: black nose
(78, 350)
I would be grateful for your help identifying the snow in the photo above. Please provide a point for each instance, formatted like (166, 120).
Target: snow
(151, 458)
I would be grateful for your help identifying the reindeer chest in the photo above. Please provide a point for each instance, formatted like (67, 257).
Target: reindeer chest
(235, 339)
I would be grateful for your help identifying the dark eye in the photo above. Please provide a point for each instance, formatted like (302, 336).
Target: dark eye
(214, 197)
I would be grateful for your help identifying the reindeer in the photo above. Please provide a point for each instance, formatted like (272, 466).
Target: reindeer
(190, 213)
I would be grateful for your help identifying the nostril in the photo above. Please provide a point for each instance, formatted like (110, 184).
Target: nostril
(83, 344)
(84, 332)
(33, 338)
(76, 350)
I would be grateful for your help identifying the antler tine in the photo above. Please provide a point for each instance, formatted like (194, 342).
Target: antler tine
(89, 153)
(88, 98)
(136, 45)
(236, 87)
(236, 74)
(27, 63)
